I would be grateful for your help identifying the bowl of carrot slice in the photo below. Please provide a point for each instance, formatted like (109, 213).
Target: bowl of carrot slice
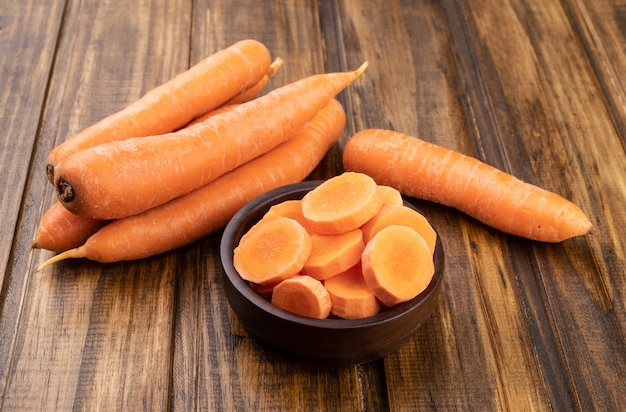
(331, 334)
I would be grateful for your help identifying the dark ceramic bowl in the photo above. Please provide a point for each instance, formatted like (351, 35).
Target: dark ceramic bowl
(328, 341)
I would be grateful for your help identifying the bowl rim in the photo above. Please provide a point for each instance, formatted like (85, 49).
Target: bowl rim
(259, 206)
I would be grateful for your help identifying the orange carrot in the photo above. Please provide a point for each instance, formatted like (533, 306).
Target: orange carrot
(390, 195)
(333, 254)
(400, 215)
(222, 109)
(208, 209)
(274, 249)
(303, 296)
(123, 178)
(253, 91)
(205, 86)
(264, 290)
(60, 230)
(426, 171)
(341, 203)
(350, 296)
(244, 97)
(397, 264)
(291, 209)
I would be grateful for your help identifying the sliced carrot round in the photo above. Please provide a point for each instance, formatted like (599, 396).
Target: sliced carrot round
(350, 295)
(272, 250)
(341, 203)
(303, 296)
(332, 254)
(390, 195)
(400, 215)
(291, 209)
(397, 264)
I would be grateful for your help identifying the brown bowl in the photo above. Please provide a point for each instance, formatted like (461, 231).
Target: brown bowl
(328, 341)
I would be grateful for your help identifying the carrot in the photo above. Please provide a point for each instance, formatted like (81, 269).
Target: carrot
(122, 178)
(303, 296)
(205, 86)
(274, 249)
(397, 264)
(341, 203)
(60, 230)
(333, 254)
(264, 290)
(222, 109)
(206, 210)
(426, 171)
(350, 296)
(390, 195)
(400, 215)
(244, 97)
(291, 209)
(253, 91)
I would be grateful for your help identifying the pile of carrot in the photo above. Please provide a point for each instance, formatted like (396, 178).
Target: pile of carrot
(178, 163)
(349, 247)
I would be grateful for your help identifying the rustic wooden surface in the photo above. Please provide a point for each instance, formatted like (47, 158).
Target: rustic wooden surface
(536, 88)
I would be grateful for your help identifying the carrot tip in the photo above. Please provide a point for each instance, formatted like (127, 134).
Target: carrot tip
(362, 68)
(69, 254)
(276, 64)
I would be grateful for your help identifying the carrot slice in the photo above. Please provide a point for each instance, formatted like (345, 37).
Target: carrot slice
(291, 209)
(400, 215)
(397, 264)
(390, 195)
(342, 203)
(333, 254)
(350, 295)
(303, 296)
(272, 250)
(264, 290)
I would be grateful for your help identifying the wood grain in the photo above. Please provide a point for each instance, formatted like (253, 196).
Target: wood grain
(534, 88)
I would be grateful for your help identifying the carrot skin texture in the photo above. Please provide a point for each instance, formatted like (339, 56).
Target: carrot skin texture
(205, 86)
(60, 230)
(208, 209)
(430, 172)
(253, 91)
(123, 178)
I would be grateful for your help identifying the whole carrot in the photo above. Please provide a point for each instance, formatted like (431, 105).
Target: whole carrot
(206, 210)
(60, 230)
(426, 171)
(123, 178)
(205, 86)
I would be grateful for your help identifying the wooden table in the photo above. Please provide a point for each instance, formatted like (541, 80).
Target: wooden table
(536, 88)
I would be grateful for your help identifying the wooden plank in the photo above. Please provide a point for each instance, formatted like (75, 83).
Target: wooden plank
(92, 335)
(28, 36)
(600, 25)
